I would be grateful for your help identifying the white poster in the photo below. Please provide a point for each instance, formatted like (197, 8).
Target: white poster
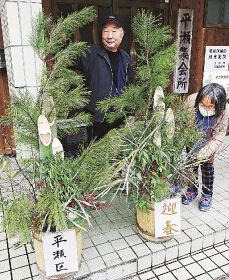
(60, 253)
(216, 58)
(184, 44)
(167, 217)
(216, 66)
(221, 78)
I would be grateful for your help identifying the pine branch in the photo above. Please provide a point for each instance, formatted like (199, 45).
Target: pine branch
(66, 57)
(22, 114)
(72, 125)
(61, 33)
(13, 224)
(38, 38)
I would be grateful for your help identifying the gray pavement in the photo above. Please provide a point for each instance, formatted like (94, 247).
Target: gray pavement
(113, 249)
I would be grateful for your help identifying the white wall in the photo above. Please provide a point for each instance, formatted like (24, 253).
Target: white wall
(22, 64)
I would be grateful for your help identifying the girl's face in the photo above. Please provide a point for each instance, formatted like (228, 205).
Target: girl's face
(206, 107)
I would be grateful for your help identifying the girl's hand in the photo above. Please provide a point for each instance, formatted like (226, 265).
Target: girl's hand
(201, 155)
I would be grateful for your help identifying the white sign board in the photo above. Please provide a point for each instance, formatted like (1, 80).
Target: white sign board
(167, 217)
(184, 44)
(221, 78)
(216, 58)
(60, 253)
(216, 66)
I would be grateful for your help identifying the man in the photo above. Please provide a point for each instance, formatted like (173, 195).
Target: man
(107, 70)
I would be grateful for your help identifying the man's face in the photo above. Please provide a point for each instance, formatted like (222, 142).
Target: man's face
(112, 36)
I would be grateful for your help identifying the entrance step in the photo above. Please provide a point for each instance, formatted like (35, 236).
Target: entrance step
(114, 250)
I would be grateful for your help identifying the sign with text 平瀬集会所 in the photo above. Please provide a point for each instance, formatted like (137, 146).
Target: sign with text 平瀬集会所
(184, 44)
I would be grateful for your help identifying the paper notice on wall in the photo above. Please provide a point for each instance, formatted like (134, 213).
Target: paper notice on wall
(216, 58)
(216, 66)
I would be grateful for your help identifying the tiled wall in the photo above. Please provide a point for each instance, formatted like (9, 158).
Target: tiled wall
(23, 65)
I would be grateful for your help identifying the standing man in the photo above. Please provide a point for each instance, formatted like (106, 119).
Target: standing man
(107, 70)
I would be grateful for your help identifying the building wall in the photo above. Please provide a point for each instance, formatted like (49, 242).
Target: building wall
(22, 65)
(6, 144)
(201, 37)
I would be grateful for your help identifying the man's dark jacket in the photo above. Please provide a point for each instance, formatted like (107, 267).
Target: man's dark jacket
(97, 71)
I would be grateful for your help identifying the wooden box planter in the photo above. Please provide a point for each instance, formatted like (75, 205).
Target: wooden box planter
(39, 253)
(146, 225)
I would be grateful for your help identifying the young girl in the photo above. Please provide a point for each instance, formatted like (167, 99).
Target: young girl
(211, 115)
